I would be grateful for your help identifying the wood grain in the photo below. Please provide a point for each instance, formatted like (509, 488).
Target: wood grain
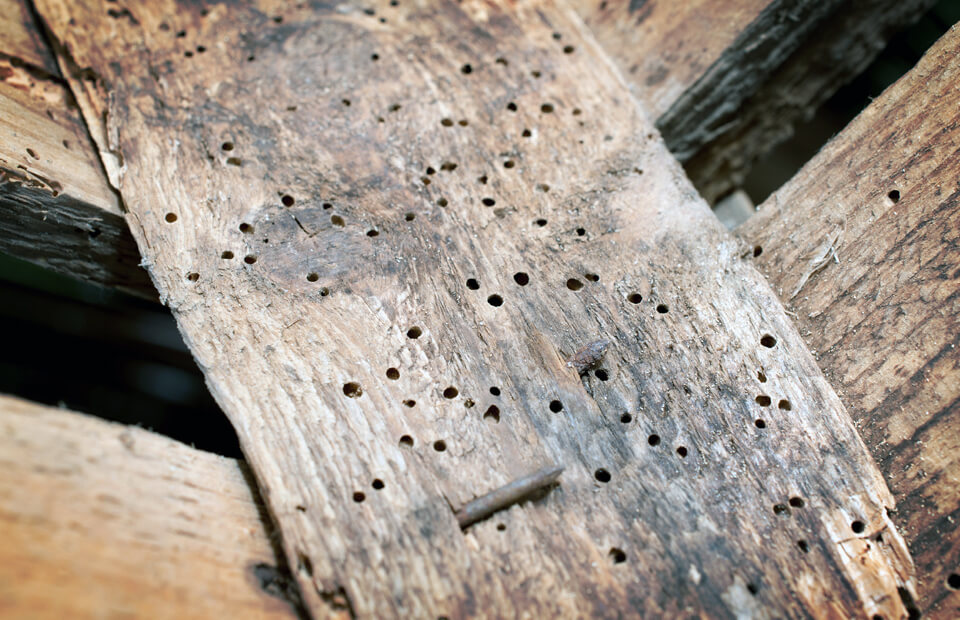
(726, 81)
(104, 520)
(863, 245)
(427, 210)
(56, 207)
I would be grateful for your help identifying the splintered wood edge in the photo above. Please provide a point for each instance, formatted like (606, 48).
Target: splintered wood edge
(100, 518)
(862, 245)
(289, 476)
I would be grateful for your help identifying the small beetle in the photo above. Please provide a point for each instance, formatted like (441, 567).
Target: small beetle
(589, 356)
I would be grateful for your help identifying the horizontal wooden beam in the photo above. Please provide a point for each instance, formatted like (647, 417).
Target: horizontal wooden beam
(56, 207)
(105, 520)
(724, 80)
(863, 245)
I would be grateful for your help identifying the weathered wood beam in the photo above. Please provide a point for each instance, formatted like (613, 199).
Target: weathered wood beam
(726, 81)
(105, 520)
(382, 232)
(56, 207)
(864, 246)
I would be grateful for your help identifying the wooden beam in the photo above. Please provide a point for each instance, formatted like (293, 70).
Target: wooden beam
(726, 81)
(56, 207)
(863, 246)
(382, 234)
(105, 520)
(720, 98)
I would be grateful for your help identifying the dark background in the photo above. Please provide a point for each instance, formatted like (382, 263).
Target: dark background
(71, 344)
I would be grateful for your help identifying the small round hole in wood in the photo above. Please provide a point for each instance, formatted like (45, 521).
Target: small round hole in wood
(662, 308)
(857, 527)
(682, 452)
(227, 255)
(406, 441)
(414, 332)
(492, 413)
(313, 277)
(359, 497)
(626, 418)
(521, 278)
(170, 218)
(440, 445)
(653, 440)
(785, 405)
(797, 502)
(759, 423)
(574, 285)
(763, 400)
(802, 544)
(393, 374)
(556, 406)
(250, 259)
(353, 390)
(617, 556)
(473, 284)
(602, 475)
(634, 298)
(287, 200)
(768, 341)
(450, 392)
(377, 484)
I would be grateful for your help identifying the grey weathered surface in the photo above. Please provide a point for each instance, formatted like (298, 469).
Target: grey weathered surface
(104, 520)
(727, 80)
(864, 245)
(56, 207)
(381, 180)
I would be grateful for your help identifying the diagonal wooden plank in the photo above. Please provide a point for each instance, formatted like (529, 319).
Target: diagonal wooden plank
(863, 245)
(56, 207)
(105, 520)
(382, 231)
(726, 81)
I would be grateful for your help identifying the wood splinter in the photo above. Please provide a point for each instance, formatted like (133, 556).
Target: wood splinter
(507, 495)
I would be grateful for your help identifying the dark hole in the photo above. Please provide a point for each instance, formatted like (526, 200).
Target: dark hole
(324, 292)
(353, 390)
(762, 378)
(581, 232)
(602, 475)
(626, 418)
(473, 284)
(501, 527)
(540, 222)
(406, 440)
(409, 216)
(785, 405)
(188, 54)
(488, 202)
(535, 74)
(768, 341)
(508, 164)
(521, 278)
(803, 546)
(653, 440)
(227, 254)
(462, 123)
(312, 277)
(894, 196)
(249, 259)
(201, 49)
(374, 57)
(556, 406)
(577, 111)
(592, 277)
(482, 180)
(466, 69)
(757, 250)
(953, 581)
(410, 403)
(601, 374)
(752, 589)
(634, 298)
(546, 108)
(414, 332)
(682, 451)
(495, 391)
(246, 228)
(359, 497)
(568, 49)
(450, 392)
(763, 401)
(760, 423)
(393, 374)
(442, 202)
(447, 122)
(287, 200)
(439, 445)
(495, 300)
(512, 106)
(662, 308)
(327, 205)
(781, 509)
(377, 484)
(373, 233)
(193, 277)
(336, 220)
(617, 555)
(857, 527)
(170, 217)
(431, 170)
(346, 102)
(797, 502)
(468, 403)
(526, 133)
(574, 285)
(448, 166)
(227, 146)
(492, 412)
(543, 187)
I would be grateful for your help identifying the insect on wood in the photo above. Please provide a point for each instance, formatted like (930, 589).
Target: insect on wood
(589, 356)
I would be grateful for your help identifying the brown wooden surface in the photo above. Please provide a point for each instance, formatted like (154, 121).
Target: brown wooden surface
(874, 280)
(101, 520)
(328, 319)
(56, 207)
(727, 80)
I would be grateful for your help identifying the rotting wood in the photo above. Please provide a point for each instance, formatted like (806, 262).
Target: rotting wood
(883, 198)
(381, 179)
(56, 207)
(727, 81)
(105, 520)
